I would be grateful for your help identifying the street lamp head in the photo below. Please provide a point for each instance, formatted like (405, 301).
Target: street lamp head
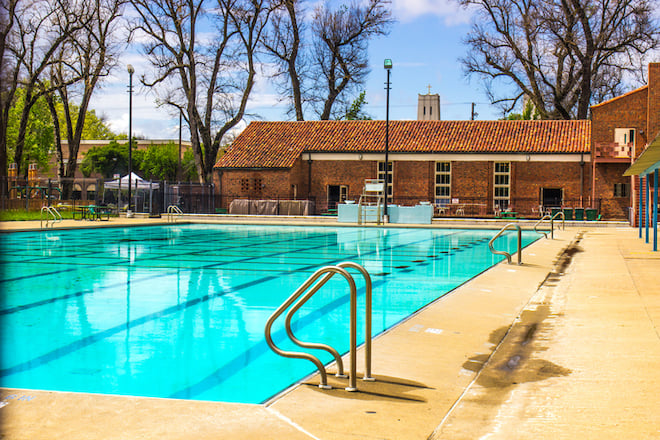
(130, 68)
(388, 63)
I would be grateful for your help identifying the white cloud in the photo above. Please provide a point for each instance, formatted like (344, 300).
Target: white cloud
(449, 10)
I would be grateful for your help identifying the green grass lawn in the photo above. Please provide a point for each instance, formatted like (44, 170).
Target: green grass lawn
(20, 215)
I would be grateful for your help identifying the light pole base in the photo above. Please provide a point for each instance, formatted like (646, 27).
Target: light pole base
(386, 219)
(129, 213)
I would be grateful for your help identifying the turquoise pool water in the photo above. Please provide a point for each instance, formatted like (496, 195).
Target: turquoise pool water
(179, 311)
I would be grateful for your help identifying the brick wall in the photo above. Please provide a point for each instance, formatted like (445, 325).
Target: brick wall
(335, 172)
(472, 179)
(614, 208)
(628, 111)
(256, 184)
(413, 182)
(530, 177)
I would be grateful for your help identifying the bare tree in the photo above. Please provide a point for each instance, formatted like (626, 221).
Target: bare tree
(208, 79)
(83, 60)
(322, 73)
(558, 53)
(38, 29)
(340, 43)
(283, 42)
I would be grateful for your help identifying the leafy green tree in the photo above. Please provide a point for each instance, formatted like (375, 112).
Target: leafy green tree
(529, 113)
(157, 162)
(355, 111)
(95, 127)
(107, 160)
(161, 162)
(38, 137)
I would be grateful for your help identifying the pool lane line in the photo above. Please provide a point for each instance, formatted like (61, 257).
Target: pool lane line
(123, 261)
(137, 280)
(89, 340)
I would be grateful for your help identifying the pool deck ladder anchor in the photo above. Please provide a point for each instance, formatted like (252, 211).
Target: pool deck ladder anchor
(325, 274)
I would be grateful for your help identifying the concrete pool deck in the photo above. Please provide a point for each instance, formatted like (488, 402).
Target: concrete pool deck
(565, 346)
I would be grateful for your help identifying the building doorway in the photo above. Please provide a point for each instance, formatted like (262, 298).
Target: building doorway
(336, 195)
(552, 197)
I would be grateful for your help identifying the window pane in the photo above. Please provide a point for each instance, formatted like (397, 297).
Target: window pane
(442, 167)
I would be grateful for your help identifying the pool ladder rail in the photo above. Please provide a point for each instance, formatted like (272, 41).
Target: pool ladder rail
(505, 253)
(48, 212)
(323, 275)
(173, 211)
(551, 219)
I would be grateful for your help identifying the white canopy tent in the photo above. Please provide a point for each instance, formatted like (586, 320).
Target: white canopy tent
(136, 183)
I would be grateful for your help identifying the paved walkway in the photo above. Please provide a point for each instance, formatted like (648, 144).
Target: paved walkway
(565, 346)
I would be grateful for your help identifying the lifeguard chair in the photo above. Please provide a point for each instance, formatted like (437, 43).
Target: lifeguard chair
(370, 205)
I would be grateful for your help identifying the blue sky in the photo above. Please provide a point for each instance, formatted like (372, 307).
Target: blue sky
(425, 45)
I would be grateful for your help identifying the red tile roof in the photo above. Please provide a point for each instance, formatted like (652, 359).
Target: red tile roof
(279, 144)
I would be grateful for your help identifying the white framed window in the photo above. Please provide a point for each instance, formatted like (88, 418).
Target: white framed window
(387, 179)
(501, 185)
(442, 183)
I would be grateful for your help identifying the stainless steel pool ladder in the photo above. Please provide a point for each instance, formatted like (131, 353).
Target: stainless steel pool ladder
(325, 274)
(172, 211)
(50, 210)
(506, 254)
(551, 219)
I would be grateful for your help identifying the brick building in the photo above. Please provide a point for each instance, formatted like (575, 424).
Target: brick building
(517, 165)
(482, 166)
(622, 128)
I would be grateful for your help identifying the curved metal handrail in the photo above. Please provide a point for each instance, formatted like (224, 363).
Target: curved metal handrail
(563, 219)
(506, 254)
(322, 276)
(367, 322)
(172, 210)
(57, 217)
(353, 330)
(301, 355)
(313, 345)
(545, 217)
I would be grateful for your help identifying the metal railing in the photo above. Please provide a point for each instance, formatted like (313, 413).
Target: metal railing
(551, 219)
(563, 220)
(50, 210)
(506, 254)
(541, 220)
(325, 274)
(172, 212)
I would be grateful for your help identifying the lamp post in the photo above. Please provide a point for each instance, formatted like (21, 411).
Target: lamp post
(131, 70)
(388, 69)
(179, 172)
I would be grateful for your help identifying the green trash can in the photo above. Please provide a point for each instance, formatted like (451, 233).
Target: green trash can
(592, 214)
(568, 213)
(579, 214)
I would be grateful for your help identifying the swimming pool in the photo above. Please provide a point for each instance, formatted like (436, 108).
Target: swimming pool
(179, 311)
